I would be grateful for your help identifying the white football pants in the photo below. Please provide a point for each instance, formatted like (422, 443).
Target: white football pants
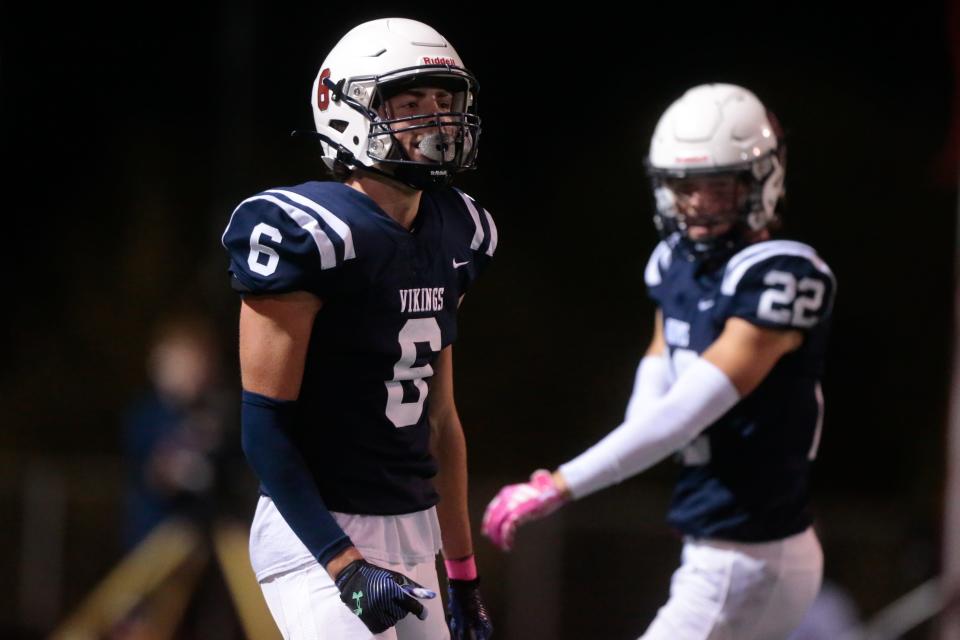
(306, 605)
(304, 601)
(737, 591)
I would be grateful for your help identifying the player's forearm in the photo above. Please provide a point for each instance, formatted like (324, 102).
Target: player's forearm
(450, 450)
(284, 474)
(698, 398)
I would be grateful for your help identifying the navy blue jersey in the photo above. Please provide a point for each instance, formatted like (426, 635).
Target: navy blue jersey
(745, 477)
(389, 307)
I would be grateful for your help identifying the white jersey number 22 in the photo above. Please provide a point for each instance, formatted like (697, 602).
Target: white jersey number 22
(776, 303)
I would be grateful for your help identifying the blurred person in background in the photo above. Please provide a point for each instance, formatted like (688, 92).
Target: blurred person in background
(181, 436)
(729, 382)
(351, 290)
(186, 472)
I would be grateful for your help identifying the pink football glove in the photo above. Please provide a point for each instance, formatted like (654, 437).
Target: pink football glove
(518, 503)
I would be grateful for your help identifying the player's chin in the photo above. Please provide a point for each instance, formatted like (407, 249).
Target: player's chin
(698, 232)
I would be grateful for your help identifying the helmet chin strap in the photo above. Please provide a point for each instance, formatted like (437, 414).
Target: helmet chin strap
(715, 249)
(438, 147)
(707, 250)
(416, 175)
(419, 176)
(346, 156)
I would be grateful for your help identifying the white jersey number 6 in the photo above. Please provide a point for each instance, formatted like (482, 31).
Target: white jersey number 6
(400, 413)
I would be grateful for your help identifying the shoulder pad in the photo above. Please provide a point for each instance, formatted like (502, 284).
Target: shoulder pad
(484, 239)
(778, 283)
(280, 240)
(658, 263)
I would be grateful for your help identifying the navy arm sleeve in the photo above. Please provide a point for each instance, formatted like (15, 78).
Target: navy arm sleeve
(265, 425)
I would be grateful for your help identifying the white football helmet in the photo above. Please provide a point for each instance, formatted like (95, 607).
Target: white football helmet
(718, 130)
(374, 61)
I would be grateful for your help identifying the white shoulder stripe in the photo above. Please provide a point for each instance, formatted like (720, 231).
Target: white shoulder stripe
(332, 221)
(493, 234)
(749, 251)
(328, 254)
(741, 262)
(659, 258)
(223, 238)
(478, 233)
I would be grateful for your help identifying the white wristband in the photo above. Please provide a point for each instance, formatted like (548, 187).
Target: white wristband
(654, 430)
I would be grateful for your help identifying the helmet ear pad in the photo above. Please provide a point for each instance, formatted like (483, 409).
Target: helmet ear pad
(772, 191)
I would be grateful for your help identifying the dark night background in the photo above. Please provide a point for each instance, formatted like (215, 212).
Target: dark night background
(130, 135)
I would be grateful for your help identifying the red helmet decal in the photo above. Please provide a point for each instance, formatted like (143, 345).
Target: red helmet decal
(323, 92)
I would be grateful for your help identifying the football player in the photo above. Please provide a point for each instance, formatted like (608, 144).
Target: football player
(350, 290)
(730, 380)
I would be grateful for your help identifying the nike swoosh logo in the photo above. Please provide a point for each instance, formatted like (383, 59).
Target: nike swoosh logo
(457, 265)
(703, 305)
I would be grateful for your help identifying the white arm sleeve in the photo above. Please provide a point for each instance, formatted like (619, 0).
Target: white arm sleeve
(651, 382)
(701, 395)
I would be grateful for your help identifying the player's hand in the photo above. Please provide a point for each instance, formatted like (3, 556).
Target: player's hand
(466, 614)
(519, 503)
(380, 597)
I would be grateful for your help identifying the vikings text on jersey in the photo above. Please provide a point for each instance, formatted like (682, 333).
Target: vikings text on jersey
(390, 306)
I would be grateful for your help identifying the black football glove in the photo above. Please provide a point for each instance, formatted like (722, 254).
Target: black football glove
(380, 597)
(466, 614)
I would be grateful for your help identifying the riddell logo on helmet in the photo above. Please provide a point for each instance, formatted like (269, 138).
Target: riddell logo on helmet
(448, 61)
(692, 159)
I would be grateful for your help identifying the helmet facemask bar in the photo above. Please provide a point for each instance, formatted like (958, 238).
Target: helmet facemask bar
(752, 211)
(446, 140)
(450, 148)
(718, 129)
(453, 145)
